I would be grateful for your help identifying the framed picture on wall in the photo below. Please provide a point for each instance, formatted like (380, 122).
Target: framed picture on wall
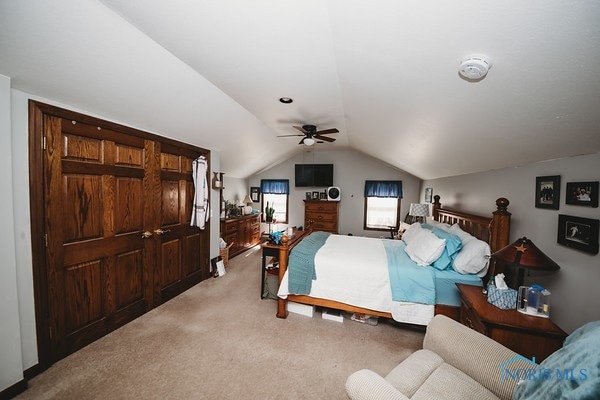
(582, 194)
(547, 192)
(255, 194)
(428, 195)
(578, 233)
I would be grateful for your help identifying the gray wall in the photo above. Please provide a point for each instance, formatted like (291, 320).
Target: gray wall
(351, 169)
(11, 355)
(575, 296)
(235, 189)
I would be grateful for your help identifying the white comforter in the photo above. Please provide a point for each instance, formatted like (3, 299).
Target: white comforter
(354, 270)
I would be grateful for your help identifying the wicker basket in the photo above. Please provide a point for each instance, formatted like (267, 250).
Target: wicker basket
(224, 253)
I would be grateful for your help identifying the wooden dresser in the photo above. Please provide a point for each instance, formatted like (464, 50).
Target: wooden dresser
(243, 232)
(321, 215)
(527, 335)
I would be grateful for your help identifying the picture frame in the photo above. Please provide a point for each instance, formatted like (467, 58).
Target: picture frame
(323, 196)
(255, 194)
(582, 194)
(428, 195)
(308, 195)
(578, 233)
(315, 195)
(547, 192)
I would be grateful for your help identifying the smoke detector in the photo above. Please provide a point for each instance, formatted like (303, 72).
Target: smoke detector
(475, 67)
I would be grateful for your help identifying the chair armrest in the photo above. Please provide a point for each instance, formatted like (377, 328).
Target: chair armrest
(473, 353)
(366, 384)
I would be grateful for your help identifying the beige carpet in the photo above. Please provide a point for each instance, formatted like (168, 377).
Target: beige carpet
(218, 340)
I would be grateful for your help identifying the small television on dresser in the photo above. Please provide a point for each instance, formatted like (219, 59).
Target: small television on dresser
(314, 175)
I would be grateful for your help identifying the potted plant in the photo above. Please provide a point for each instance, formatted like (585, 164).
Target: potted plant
(269, 211)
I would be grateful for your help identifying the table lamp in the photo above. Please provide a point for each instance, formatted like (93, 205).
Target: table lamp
(520, 256)
(418, 211)
(247, 202)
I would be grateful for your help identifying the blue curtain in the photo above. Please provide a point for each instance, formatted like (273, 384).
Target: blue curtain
(275, 186)
(383, 189)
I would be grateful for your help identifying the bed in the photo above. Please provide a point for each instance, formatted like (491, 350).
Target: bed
(370, 292)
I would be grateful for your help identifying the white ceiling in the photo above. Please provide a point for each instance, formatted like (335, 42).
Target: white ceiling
(384, 72)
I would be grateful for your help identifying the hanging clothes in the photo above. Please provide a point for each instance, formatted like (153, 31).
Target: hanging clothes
(200, 209)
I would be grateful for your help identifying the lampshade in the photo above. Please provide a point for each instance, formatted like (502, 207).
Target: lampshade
(524, 255)
(309, 141)
(247, 200)
(418, 210)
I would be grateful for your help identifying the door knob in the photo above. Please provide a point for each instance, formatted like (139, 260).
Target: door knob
(162, 232)
(146, 234)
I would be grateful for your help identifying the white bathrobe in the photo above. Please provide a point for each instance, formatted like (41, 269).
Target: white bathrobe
(200, 211)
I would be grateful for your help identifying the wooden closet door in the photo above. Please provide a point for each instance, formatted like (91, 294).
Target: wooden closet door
(98, 204)
(182, 252)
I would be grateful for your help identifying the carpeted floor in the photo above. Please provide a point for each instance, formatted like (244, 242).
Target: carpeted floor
(219, 340)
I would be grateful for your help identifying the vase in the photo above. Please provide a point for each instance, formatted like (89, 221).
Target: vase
(269, 218)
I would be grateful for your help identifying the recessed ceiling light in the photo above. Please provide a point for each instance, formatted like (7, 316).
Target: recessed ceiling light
(286, 100)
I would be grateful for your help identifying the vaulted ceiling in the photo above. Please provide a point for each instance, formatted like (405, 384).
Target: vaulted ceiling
(383, 72)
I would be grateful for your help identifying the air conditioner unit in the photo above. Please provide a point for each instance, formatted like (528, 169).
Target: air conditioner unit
(333, 193)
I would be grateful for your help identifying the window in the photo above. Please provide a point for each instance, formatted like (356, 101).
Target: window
(382, 205)
(276, 192)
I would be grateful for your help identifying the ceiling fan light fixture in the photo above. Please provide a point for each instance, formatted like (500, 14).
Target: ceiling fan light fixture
(309, 141)
(286, 100)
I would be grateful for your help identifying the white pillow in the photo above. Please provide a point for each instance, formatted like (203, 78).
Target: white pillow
(425, 247)
(464, 236)
(472, 258)
(411, 232)
(440, 225)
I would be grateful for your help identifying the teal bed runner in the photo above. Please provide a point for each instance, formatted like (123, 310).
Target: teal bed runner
(302, 257)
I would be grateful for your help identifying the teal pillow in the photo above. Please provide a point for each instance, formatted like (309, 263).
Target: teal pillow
(453, 246)
(572, 372)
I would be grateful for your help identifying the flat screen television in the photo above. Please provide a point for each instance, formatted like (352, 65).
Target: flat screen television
(314, 175)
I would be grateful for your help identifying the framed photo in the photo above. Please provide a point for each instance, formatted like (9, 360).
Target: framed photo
(308, 195)
(428, 195)
(547, 192)
(578, 233)
(315, 195)
(323, 196)
(582, 194)
(255, 194)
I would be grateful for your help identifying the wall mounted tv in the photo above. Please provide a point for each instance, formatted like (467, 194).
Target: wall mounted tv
(317, 175)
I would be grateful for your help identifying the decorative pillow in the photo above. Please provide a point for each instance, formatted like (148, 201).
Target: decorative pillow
(472, 258)
(464, 236)
(451, 249)
(425, 247)
(411, 232)
(571, 372)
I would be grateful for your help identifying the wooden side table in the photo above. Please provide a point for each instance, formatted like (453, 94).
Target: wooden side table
(527, 335)
(272, 250)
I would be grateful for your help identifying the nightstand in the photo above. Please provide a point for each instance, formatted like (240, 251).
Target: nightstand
(527, 335)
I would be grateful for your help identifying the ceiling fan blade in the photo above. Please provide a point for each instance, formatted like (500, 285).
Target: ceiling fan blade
(300, 129)
(301, 141)
(325, 138)
(327, 131)
(288, 135)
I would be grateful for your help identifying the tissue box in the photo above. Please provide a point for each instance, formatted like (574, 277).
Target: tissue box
(505, 299)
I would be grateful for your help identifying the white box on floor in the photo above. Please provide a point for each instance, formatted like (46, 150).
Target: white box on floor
(302, 309)
(334, 315)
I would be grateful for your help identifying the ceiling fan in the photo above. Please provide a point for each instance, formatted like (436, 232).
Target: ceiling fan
(312, 135)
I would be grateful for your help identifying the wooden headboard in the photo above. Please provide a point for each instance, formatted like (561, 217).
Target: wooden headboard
(495, 229)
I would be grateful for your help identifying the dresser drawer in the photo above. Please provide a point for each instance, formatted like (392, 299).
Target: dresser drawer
(321, 217)
(231, 227)
(324, 226)
(321, 207)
